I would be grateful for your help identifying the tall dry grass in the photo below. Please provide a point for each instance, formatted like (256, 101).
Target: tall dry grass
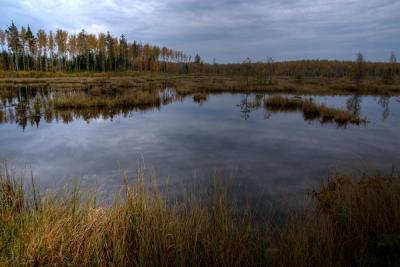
(354, 221)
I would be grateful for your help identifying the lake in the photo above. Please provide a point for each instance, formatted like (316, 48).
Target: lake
(268, 157)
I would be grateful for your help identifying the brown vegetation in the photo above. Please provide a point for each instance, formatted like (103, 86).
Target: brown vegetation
(203, 83)
(352, 221)
(84, 101)
(311, 110)
(199, 97)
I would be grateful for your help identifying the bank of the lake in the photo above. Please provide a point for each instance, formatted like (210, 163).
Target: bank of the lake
(350, 221)
(202, 82)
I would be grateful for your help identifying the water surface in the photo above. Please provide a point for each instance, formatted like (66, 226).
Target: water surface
(271, 157)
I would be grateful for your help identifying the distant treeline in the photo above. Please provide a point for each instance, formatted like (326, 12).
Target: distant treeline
(61, 51)
(313, 68)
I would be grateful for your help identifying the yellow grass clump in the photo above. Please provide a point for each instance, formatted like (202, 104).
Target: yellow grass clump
(312, 110)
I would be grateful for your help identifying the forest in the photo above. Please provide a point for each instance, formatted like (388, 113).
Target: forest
(62, 51)
(22, 50)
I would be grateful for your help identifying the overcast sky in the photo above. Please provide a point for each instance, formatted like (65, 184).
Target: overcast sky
(229, 31)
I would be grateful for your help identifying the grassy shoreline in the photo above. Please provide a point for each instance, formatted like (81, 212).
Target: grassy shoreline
(201, 82)
(352, 221)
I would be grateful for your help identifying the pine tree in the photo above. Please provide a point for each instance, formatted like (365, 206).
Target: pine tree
(13, 44)
(123, 52)
(23, 41)
(93, 49)
(31, 47)
(110, 51)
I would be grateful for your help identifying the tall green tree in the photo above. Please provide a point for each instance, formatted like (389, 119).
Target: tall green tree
(31, 47)
(123, 52)
(110, 51)
(93, 50)
(13, 44)
(83, 49)
(23, 42)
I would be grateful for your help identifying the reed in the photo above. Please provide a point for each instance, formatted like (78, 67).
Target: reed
(353, 220)
(355, 223)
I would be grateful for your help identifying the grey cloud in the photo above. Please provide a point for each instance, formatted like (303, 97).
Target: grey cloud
(231, 30)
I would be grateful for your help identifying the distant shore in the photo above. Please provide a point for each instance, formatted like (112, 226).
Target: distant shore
(202, 82)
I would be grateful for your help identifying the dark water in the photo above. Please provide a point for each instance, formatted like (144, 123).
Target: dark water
(271, 157)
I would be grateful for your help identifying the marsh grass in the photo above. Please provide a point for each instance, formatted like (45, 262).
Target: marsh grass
(138, 229)
(312, 110)
(280, 103)
(355, 223)
(200, 82)
(84, 101)
(352, 221)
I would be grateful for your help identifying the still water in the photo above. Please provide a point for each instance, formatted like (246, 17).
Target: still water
(272, 157)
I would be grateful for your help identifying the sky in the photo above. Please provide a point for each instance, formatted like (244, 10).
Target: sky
(229, 30)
